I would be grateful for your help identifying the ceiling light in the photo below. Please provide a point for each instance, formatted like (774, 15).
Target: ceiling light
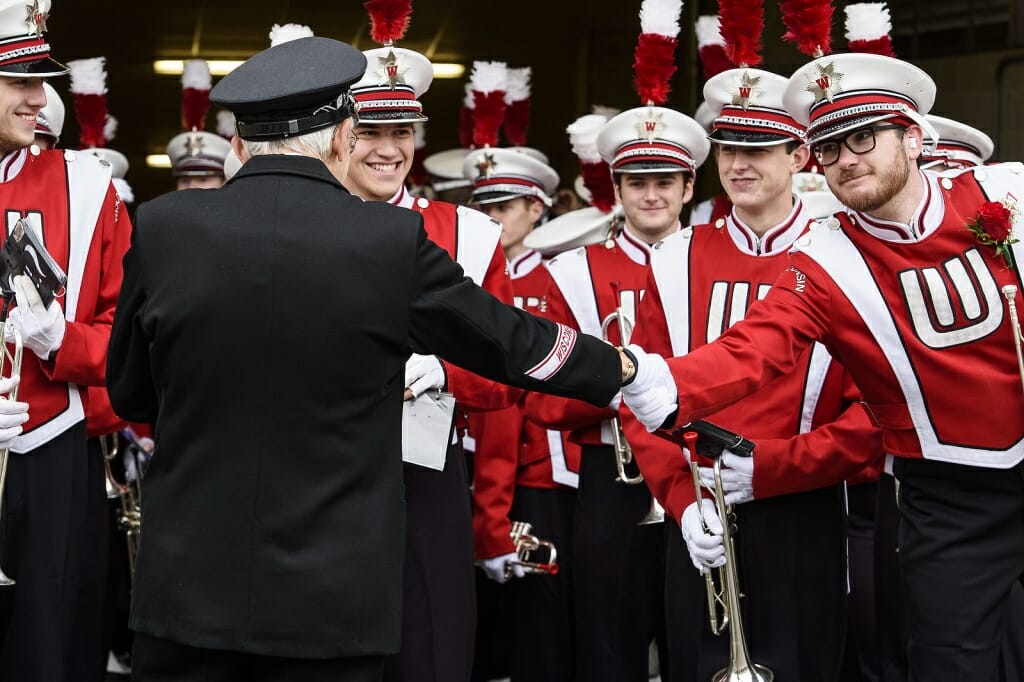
(448, 70)
(174, 67)
(158, 161)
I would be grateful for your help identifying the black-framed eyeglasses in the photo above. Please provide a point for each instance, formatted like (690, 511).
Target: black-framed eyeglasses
(860, 141)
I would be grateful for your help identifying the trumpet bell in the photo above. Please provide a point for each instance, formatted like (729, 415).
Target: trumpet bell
(755, 673)
(656, 514)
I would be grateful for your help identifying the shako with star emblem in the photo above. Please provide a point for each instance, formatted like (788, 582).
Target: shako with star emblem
(960, 145)
(500, 174)
(390, 90)
(23, 49)
(748, 111)
(835, 94)
(652, 139)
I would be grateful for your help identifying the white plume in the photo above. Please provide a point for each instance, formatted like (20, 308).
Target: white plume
(124, 190)
(661, 17)
(518, 85)
(283, 33)
(583, 137)
(867, 21)
(88, 76)
(489, 76)
(225, 123)
(110, 128)
(467, 100)
(608, 112)
(196, 74)
(708, 29)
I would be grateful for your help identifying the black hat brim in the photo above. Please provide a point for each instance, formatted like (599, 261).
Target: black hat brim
(39, 68)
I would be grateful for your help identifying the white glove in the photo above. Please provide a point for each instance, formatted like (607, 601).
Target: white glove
(42, 329)
(706, 549)
(652, 395)
(495, 567)
(737, 478)
(616, 402)
(422, 373)
(12, 413)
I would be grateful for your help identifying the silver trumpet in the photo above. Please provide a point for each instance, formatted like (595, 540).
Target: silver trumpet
(129, 518)
(623, 452)
(526, 543)
(14, 358)
(1010, 294)
(726, 599)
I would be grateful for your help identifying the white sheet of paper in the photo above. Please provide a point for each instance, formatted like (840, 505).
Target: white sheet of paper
(427, 429)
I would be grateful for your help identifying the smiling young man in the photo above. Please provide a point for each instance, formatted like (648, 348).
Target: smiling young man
(791, 522)
(653, 175)
(53, 538)
(911, 301)
(438, 620)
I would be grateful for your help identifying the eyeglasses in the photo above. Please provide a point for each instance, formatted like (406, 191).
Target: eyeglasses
(860, 141)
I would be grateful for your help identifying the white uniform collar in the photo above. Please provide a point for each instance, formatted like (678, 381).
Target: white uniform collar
(926, 219)
(12, 164)
(523, 264)
(638, 251)
(775, 240)
(402, 198)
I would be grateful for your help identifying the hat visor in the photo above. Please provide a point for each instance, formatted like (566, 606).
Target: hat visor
(497, 197)
(749, 139)
(841, 129)
(652, 167)
(381, 117)
(39, 68)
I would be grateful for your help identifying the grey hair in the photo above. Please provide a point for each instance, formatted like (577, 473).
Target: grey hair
(316, 144)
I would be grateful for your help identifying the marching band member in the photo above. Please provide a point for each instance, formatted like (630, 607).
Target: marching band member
(810, 429)
(50, 120)
(905, 290)
(439, 612)
(523, 472)
(273, 546)
(197, 156)
(54, 517)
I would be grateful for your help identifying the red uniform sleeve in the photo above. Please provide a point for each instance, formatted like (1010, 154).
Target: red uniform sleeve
(82, 356)
(824, 456)
(497, 436)
(473, 392)
(562, 414)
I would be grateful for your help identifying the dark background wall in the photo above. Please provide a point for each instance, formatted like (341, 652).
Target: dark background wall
(580, 51)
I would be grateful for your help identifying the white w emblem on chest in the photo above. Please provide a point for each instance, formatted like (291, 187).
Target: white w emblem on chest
(949, 316)
(726, 307)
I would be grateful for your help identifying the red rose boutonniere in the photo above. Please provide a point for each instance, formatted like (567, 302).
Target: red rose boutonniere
(994, 227)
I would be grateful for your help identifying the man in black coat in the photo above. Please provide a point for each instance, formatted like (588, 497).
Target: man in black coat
(263, 328)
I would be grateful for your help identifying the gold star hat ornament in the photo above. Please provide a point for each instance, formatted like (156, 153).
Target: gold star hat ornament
(23, 47)
(748, 111)
(838, 93)
(395, 78)
(500, 174)
(196, 151)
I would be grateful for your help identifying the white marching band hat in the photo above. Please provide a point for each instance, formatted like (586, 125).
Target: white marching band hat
(838, 93)
(571, 230)
(818, 199)
(390, 90)
(445, 169)
(50, 120)
(748, 110)
(23, 49)
(651, 139)
(500, 174)
(959, 145)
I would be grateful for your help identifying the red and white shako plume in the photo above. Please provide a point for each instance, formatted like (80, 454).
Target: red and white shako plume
(742, 27)
(466, 117)
(89, 94)
(490, 82)
(868, 28)
(195, 94)
(808, 25)
(284, 33)
(517, 102)
(711, 46)
(389, 19)
(654, 57)
(597, 176)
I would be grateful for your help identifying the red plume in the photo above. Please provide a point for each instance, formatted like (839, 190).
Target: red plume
(882, 46)
(597, 178)
(809, 24)
(466, 127)
(713, 61)
(389, 19)
(742, 23)
(517, 120)
(653, 66)
(488, 113)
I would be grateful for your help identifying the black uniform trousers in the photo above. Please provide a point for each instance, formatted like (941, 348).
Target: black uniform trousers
(53, 542)
(540, 606)
(161, 660)
(961, 546)
(438, 596)
(791, 564)
(619, 575)
(861, 661)
(891, 607)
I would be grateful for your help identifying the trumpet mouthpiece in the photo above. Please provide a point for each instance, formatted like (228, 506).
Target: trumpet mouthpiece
(1009, 291)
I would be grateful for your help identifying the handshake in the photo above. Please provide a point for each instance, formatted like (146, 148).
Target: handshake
(648, 389)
